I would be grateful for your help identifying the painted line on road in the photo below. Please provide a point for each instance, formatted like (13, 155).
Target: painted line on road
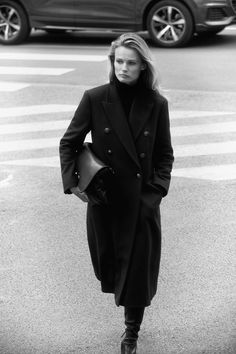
(214, 173)
(6, 181)
(197, 114)
(52, 161)
(180, 150)
(31, 144)
(185, 150)
(201, 129)
(50, 108)
(24, 70)
(52, 57)
(28, 144)
(216, 128)
(35, 109)
(33, 127)
(6, 86)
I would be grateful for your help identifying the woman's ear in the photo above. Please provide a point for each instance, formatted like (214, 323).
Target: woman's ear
(143, 66)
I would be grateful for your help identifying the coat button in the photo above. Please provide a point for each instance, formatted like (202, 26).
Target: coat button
(107, 130)
(146, 133)
(109, 151)
(142, 155)
(138, 175)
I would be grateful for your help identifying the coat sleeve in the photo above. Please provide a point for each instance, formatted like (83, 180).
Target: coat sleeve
(72, 141)
(163, 157)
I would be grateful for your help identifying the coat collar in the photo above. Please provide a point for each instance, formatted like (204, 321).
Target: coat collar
(140, 112)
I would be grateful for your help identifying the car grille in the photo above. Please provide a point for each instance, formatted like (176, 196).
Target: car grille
(233, 2)
(216, 14)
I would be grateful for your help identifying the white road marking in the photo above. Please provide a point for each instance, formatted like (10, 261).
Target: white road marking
(52, 161)
(33, 127)
(6, 86)
(62, 124)
(52, 57)
(28, 144)
(196, 114)
(214, 173)
(35, 109)
(31, 144)
(180, 150)
(38, 109)
(6, 181)
(26, 70)
(205, 149)
(200, 129)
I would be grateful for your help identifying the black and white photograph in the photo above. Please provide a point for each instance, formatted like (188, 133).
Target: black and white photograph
(118, 177)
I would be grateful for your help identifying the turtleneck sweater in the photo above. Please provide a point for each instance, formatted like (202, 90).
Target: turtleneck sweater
(127, 94)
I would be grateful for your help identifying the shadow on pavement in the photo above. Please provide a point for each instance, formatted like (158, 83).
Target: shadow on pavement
(105, 38)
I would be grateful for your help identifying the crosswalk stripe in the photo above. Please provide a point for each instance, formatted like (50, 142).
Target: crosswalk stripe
(33, 127)
(180, 150)
(197, 114)
(24, 70)
(28, 144)
(215, 173)
(35, 109)
(52, 56)
(52, 161)
(215, 128)
(62, 124)
(205, 149)
(31, 144)
(6, 86)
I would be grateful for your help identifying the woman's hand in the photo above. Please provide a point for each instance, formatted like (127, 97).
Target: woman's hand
(82, 195)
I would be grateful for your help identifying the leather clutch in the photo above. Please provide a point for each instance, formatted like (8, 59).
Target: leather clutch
(93, 175)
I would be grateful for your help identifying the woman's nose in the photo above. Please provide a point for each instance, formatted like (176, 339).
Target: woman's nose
(124, 66)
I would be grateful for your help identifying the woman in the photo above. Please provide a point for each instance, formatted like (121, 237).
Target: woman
(129, 124)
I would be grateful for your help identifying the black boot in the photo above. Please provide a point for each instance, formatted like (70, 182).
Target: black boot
(133, 320)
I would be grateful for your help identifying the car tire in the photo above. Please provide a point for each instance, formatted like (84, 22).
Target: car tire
(14, 23)
(170, 24)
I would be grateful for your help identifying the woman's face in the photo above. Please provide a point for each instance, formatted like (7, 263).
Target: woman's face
(128, 65)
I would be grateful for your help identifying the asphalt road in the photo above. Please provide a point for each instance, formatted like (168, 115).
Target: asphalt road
(50, 301)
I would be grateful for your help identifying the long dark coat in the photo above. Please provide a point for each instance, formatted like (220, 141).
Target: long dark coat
(124, 238)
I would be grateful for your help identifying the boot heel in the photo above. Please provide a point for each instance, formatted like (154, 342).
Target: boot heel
(128, 348)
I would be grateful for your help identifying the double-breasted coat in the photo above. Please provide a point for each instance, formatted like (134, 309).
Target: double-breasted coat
(124, 237)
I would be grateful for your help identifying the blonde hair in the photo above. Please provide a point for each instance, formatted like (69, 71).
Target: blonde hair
(148, 76)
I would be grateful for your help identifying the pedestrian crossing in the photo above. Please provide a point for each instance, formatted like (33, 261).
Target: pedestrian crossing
(37, 141)
(23, 70)
(182, 150)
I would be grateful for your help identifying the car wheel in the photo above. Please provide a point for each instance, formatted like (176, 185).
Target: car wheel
(170, 24)
(14, 24)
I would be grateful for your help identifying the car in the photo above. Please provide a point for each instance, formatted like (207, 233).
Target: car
(170, 23)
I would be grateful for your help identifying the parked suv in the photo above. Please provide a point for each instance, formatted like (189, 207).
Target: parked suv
(170, 23)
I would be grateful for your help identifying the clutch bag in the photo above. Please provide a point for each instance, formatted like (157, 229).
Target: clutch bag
(93, 175)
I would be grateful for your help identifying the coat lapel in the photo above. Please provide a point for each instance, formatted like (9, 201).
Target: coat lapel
(140, 112)
(116, 115)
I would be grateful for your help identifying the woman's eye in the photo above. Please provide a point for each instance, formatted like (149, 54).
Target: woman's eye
(119, 61)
